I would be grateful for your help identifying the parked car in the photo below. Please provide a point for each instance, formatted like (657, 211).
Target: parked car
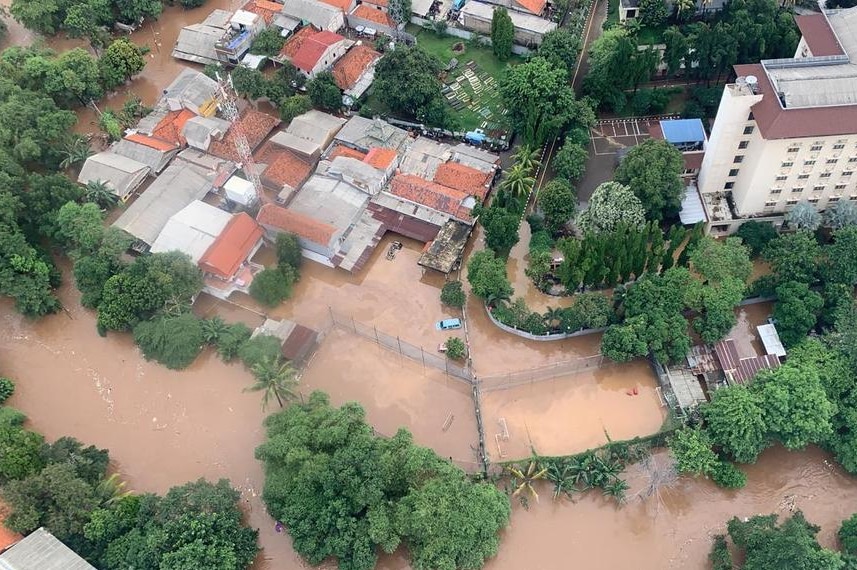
(448, 324)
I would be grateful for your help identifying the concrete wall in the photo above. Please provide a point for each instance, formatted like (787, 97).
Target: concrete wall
(467, 34)
(546, 337)
(765, 184)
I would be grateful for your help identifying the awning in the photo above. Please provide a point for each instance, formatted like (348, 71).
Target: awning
(691, 207)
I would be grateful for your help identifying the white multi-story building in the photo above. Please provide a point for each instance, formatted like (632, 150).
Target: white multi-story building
(786, 130)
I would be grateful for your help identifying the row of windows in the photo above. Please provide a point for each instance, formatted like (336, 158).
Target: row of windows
(816, 188)
(782, 178)
(817, 146)
(812, 162)
(792, 202)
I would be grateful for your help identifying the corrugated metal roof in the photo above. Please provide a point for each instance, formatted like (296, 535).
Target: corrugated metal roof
(771, 340)
(692, 210)
(741, 370)
(173, 190)
(41, 550)
(315, 126)
(192, 230)
(121, 174)
(322, 16)
(295, 143)
(520, 20)
(156, 159)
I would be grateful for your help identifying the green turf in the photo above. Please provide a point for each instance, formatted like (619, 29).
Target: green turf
(441, 46)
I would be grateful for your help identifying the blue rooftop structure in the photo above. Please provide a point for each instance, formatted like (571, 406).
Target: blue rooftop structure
(683, 131)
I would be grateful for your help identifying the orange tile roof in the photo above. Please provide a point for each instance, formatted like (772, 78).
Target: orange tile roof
(256, 126)
(348, 70)
(382, 3)
(430, 194)
(263, 8)
(341, 150)
(294, 43)
(374, 15)
(312, 48)
(151, 142)
(170, 127)
(534, 6)
(380, 158)
(343, 5)
(293, 222)
(232, 246)
(7, 537)
(284, 168)
(464, 178)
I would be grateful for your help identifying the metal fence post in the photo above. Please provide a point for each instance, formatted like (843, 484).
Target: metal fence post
(423, 355)
(353, 324)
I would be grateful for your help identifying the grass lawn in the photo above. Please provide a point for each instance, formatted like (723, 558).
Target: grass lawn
(612, 14)
(488, 98)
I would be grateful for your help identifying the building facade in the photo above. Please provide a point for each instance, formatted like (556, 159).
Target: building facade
(786, 130)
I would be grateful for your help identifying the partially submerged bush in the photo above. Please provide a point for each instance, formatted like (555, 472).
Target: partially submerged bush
(7, 388)
(455, 348)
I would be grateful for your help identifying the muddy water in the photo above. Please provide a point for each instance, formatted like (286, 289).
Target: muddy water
(744, 333)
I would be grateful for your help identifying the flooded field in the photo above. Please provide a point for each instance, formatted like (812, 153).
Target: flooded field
(572, 413)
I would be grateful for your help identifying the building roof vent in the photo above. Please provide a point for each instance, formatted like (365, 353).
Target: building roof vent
(752, 82)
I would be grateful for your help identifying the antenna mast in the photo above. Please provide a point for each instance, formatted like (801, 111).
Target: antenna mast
(227, 102)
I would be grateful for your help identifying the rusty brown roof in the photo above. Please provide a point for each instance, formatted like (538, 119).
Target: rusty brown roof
(775, 122)
(374, 15)
(285, 168)
(431, 194)
(351, 66)
(303, 226)
(299, 343)
(819, 35)
(256, 125)
(738, 369)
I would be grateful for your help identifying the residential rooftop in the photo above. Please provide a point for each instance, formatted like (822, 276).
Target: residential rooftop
(464, 178)
(520, 20)
(374, 15)
(312, 49)
(232, 246)
(364, 134)
(447, 247)
(256, 125)
(301, 225)
(353, 65)
(40, 550)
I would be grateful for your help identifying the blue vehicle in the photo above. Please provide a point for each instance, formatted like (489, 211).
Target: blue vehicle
(448, 324)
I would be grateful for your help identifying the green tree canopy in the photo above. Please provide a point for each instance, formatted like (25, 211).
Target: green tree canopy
(561, 48)
(653, 170)
(502, 34)
(735, 420)
(570, 161)
(175, 342)
(273, 285)
(486, 274)
(692, 451)
(719, 260)
(323, 92)
(121, 61)
(793, 257)
(558, 203)
(611, 205)
(796, 311)
(501, 228)
(756, 235)
(406, 80)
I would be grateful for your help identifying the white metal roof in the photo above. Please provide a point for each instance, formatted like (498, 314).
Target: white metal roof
(192, 230)
(298, 144)
(41, 550)
(691, 207)
(771, 340)
(315, 126)
(121, 174)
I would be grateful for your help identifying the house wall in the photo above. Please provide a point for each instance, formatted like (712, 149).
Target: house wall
(774, 175)
(404, 225)
(482, 26)
(354, 21)
(330, 56)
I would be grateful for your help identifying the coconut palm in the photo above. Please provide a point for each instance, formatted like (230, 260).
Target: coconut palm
(523, 480)
(274, 379)
(684, 9)
(111, 490)
(518, 182)
(552, 315)
(98, 192)
(212, 329)
(528, 158)
(74, 152)
(560, 474)
(495, 298)
(616, 489)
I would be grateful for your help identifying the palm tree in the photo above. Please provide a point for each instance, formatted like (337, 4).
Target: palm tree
(274, 379)
(523, 480)
(111, 490)
(493, 299)
(616, 489)
(518, 182)
(684, 9)
(212, 329)
(528, 158)
(98, 192)
(560, 474)
(552, 315)
(75, 151)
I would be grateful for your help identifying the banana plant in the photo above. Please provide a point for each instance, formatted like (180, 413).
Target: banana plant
(523, 479)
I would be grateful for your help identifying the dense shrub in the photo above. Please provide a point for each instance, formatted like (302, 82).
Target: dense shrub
(452, 294)
(175, 342)
(455, 348)
(728, 476)
(273, 285)
(260, 348)
(231, 339)
(7, 388)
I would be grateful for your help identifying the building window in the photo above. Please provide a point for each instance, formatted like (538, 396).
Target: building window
(797, 189)
(776, 191)
(818, 188)
(853, 197)
(838, 146)
(825, 175)
(770, 204)
(787, 163)
(852, 159)
(748, 130)
(791, 202)
(831, 161)
(803, 176)
(813, 200)
(733, 172)
(815, 148)
(848, 173)
(781, 178)
(794, 148)
(738, 159)
(743, 144)
(750, 116)
(833, 199)
(808, 162)
(729, 186)
(840, 187)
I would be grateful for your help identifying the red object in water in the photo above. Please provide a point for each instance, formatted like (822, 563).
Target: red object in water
(629, 393)
(635, 390)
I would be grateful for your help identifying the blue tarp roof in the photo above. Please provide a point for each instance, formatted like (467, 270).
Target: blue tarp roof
(680, 131)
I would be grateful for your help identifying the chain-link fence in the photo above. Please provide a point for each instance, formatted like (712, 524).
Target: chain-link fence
(406, 349)
(507, 380)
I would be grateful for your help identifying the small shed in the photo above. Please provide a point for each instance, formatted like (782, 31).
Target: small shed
(445, 251)
(41, 550)
(771, 340)
(298, 342)
(240, 191)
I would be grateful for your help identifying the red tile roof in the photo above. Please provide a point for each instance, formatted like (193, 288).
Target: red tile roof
(380, 158)
(343, 5)
(170, 127)
(284, 168)
(693, 160)
(348, 70)
(374, 15)
(464, 178)
(232, 247)
(382, 3)
(819, 35)
(303, 226)
(430, 194)
(263, 8)
(534, 6)
(151, 142)
(340, 150)
(777, 123)
(312, 48)
(294, 43)
(256, 125)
